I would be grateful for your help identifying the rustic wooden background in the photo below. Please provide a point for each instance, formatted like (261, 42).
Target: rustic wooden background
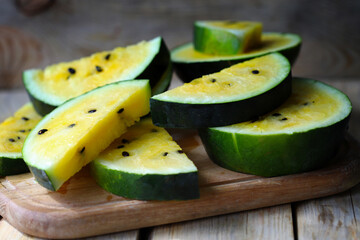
(32, 35)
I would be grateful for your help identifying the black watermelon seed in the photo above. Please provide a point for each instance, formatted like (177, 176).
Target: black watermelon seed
(276, 114)
(99, 69)
(154, 130)
(18, 138)
(72, 125)
(165, 154)
(11, 140)
(107, 57)
(180, 151)
(82, 150)
(305, 103)
(22, 130)
(213, 80)
(120, 146)
(120, 110)
(125, 141)
(255, 71)
(42, 131)
(125, 154)
(71, 70)
(313, 101)
(284, 119)
(92, 111)
(25, 118)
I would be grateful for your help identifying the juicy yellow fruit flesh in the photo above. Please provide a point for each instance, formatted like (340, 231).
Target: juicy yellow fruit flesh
(15, 129)
(151, 151)
(309, 106)
(65, 148)
(236, 25)
(94, 71)
(268, 41)
(237, 80)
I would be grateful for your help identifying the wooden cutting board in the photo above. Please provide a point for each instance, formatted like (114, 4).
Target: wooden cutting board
(81, 208)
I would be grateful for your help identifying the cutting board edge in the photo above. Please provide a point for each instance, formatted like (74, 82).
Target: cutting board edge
(121, 224)
(228, 194)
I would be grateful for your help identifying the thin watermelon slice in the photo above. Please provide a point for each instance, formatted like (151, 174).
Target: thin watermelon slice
(52, 86)
(76, 132)
(256, 87)
(145, 163)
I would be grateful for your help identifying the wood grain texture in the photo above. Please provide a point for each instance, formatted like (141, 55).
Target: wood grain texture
(73, 29)
(327, 218)
(355, 203)
(18, 51)
(8, 232)
(265, 223)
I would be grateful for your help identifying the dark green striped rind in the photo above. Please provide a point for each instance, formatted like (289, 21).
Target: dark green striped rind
(42, 178)
(274, 155)
(184, 115)
(190, 70)
(163, 84)
(159, 73)
(12, 166)
(40, 107)
(182, 186)
(159, 67)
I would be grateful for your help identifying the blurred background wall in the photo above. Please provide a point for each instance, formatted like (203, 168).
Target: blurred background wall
(35, 33)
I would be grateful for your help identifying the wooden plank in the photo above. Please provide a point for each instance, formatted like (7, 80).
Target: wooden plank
(355, 201)
(327, 218)
(8, 232)
(265, 223)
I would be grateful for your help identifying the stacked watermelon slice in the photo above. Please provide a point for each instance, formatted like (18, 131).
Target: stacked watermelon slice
(253, 117)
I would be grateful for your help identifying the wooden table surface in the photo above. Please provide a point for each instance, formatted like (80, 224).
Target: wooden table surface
(333, 217)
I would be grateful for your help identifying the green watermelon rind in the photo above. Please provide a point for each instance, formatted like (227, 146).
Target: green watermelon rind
(181, 186)
(12, 165)
(188, 70)
(274, 154)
